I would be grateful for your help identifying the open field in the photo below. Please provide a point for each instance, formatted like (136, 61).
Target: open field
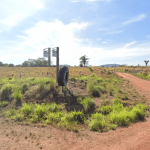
(26, 72)
(102, 101)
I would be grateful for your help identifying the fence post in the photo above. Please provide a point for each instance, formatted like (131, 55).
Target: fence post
(20, 75)
(47, 74)
(80, 73)
(42, 74)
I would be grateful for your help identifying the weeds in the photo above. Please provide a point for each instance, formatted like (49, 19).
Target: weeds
(87, 103)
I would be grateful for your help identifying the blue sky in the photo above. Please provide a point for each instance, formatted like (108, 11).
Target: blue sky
(106, 31)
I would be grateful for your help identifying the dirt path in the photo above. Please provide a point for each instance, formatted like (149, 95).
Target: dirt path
(134, 137)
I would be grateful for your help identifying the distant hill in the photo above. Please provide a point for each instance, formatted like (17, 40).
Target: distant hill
(61, 65)
(110, 65)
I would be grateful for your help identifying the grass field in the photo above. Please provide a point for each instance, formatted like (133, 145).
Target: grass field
(101, 102)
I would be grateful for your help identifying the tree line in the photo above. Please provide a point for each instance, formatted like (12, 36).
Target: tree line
(40, 62)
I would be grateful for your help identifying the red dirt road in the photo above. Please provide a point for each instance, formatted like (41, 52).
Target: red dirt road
(134, 137)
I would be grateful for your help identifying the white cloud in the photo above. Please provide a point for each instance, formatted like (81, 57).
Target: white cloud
(98, 0)
(74, 1)
(103, 29)
(129, 44)
(15, 11)
(135, 19)
(99, 39)
(56, 34)
(115, 32)
(147, 36)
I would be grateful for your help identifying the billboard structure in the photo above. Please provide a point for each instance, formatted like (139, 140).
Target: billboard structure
(47, 53)
(55, 53)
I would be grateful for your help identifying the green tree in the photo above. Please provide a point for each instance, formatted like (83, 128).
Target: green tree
(83, 60)
(1, 64)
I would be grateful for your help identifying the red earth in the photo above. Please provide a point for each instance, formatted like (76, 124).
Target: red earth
(27, 137)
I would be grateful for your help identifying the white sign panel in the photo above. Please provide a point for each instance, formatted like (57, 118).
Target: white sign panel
(45, 53)
(54, 53)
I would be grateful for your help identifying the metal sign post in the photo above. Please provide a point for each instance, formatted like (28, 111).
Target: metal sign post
(55, 53)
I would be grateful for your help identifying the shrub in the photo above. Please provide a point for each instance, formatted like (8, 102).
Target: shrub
(54, 117)
(111, 90)
(11, 112)
(100, 88)
(122, 117)
(74, 116)
(51, 86)
(115, 101)
(83, 79)
(91, 69)
(4, 103)
(100, 80)
(41, 86)
(105, 109)
(107, 80)
(6, 91)
(87, 103)
(40, 110)
(24, 88)
(120, 90)
(94, 90)
(18, 117)
(98, 123)
(54, 107)
(27, 109)
(17, 95)
(124, 97)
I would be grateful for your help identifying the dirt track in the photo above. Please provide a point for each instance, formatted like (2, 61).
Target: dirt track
(135, 137)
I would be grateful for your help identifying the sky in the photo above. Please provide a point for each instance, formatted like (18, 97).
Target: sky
(106, 31)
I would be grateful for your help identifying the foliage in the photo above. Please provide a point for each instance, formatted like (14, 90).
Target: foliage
(83, 60)
(4, 103)
(6, 91)
(54, 107)
(87, 103)
(27, 109)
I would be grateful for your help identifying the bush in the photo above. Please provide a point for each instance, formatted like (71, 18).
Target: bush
(24, 88)
(11, 112)
(6, 91)
(98, 80)
(54, 107)
(120, 90)
(51, 86)
(27, 109)
(87, 103)
(115, 101)
(122, 117)
(4, 103)
(91, 69)
(54, 117)
(40, 110)
(74, 116)
(17, 96)
(41, 87)
(92, 89)
(105, 109)
(98, 123)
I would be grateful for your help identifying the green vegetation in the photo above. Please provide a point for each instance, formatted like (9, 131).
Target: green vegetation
(108, 115)
(87, 103)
